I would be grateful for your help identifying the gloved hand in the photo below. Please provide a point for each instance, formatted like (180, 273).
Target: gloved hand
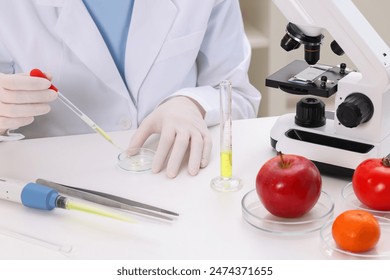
(22, 98)
(181, 125)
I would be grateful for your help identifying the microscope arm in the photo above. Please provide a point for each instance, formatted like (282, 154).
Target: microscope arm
(367, 51)
(349, 28)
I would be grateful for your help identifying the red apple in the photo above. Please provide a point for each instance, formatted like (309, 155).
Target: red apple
(371, 183)
(288, 185)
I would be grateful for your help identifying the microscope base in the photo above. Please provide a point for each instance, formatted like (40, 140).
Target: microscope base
(333, 154)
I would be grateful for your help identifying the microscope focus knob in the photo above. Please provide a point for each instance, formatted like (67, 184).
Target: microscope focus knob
(356, 109)
(310, 112)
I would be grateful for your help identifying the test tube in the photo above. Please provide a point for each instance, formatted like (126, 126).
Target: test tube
(226, 182)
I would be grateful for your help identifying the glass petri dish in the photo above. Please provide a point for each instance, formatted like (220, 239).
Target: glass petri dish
(351, 200)
(258, 216)
(381, 250)
(137, 160)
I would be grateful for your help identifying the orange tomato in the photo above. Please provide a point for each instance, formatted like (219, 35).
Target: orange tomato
(356, 231)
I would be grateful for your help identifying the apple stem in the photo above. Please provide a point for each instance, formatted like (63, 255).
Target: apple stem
(386, 161)
(285, 164)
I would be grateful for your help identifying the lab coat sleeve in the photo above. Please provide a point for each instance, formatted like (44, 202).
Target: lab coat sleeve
(6, 62)
(224, 55)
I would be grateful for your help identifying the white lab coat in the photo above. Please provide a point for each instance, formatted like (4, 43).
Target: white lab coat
(174, 47)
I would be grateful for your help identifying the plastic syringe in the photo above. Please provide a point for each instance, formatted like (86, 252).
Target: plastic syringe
(38, 196)
(74, 109)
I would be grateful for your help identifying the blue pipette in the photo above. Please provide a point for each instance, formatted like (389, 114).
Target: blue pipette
(38, 196)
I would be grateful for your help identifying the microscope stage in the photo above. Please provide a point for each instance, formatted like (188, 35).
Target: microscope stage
(300, 78)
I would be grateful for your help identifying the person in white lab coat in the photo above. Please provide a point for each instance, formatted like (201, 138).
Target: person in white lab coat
(154, 65)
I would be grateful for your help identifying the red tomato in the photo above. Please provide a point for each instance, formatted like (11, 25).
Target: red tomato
(371, 183)
(288, 185)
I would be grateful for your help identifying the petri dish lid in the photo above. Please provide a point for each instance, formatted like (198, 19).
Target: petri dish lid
(136, 160)
(258, 216)
(381, 250)
(351, 200)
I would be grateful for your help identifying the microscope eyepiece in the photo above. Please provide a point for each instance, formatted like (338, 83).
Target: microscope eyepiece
(288, 43)
(294, 37)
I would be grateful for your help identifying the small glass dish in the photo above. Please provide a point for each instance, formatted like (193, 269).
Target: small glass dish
(136, 160)
(350, 198)
(381, 250)
(258, 216)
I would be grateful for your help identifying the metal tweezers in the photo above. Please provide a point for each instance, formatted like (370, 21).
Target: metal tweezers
(110, 200)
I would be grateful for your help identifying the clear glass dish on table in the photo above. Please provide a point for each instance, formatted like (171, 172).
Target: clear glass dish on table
(256, 215)
(137, 160)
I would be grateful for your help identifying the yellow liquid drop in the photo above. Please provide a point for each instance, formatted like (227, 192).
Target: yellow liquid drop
(226, 164)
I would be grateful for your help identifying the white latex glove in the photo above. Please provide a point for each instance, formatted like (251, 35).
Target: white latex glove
(21, 99)
(181, 125)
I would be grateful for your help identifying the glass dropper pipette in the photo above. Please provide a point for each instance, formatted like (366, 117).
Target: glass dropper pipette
(75, 110)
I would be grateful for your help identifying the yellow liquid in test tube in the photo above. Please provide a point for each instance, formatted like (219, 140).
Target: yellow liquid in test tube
(226, 164)
(226, 182)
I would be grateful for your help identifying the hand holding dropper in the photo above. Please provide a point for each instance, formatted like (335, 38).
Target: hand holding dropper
(74, 109)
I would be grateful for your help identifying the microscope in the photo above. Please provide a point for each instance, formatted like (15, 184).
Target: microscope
(359, 127)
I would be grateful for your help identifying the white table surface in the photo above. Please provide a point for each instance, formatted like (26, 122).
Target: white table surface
(210, 225)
